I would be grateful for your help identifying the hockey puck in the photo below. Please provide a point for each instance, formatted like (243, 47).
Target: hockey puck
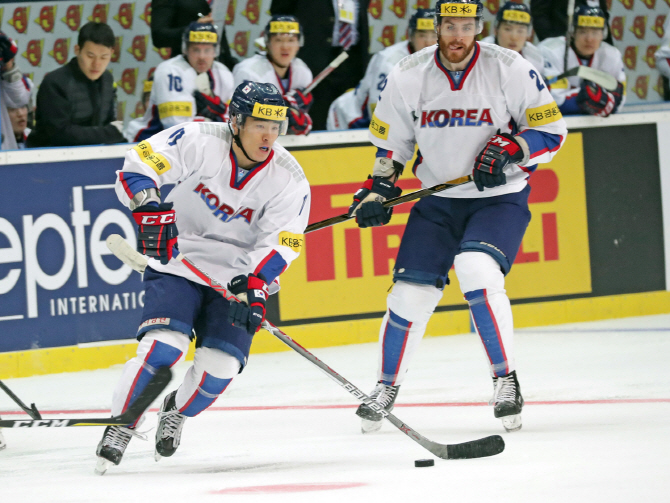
(420, 463)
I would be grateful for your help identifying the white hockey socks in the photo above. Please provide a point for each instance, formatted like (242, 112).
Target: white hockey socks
(410, 306)
(483, 285)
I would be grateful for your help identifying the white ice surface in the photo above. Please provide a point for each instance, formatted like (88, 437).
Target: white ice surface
(601, 449)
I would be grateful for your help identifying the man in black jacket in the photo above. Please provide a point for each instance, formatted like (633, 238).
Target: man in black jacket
(321, 46)
(550, 17)
(76, 104)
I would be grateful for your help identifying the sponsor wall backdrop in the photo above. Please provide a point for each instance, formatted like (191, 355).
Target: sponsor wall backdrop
(47, 33)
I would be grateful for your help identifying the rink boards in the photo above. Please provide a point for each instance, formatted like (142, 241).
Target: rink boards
(596, 247)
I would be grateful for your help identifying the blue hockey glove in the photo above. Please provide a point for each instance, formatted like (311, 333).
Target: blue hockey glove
(501, 150)
(252, 290)
(367, 205)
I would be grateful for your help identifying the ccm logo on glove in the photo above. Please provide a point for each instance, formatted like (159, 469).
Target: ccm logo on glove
(164, 219)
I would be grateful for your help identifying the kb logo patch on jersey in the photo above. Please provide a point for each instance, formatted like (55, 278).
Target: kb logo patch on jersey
(457, 117)
(221, 210)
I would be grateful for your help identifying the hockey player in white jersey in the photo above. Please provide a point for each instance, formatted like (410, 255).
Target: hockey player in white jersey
(354, 108)
(471, 108)
(281, 67)
(662, 57)
(575, 95)
(191, 86)
(241, 204)
(513, 26)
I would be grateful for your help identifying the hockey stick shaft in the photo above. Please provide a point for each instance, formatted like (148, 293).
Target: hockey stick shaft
(157, 384)
(325, 72)
(603, 79)
(31, 411)
(389, 203)
(568, 32)
(488, 446)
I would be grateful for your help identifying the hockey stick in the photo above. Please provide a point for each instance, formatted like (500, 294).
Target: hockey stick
(389, 203)
(325, 72)
(603, 79)
(31, 411)
(488, 446)
(157, 384)
(568, 32)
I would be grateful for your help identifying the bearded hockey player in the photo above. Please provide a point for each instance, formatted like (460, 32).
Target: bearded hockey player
(241, 204)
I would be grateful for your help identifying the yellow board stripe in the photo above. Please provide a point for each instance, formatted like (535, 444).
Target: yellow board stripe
(544, 114)
(458, 10)
(175, 109)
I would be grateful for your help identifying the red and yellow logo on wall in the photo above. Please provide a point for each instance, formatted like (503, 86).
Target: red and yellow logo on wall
(129, 80)
(241, 43)
(138, 47)
(628, 4)
(125, 15)
(47, 18)
(630, 57)
(649, 57)
(641, 86)
(355, 265)
(659, 86)
(658, 26)
(60, 50)
(252, 12)
(19, 19)
(146, 14)
(618, 25)
(376, 8)
(422, 4)
(164, 52)
(492, 6)
(33, 52)
(72, 17)
(651, 4)
(116, 54)
(399, 8)
(639, 24)
(387, 38)
(99, 14)
(230, 12)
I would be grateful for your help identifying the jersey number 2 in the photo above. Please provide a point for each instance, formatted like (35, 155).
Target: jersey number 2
(538, 81)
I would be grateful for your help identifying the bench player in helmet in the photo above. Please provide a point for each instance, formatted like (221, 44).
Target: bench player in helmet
(575, 95)
(354, 108)
(178, 94)
(239, 209)
(513, 26)
(471, 108)
(280, 66)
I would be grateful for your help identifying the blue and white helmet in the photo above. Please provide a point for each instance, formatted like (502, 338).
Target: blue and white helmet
(513, 12)
(460, 8)
(281, 23)
(422, 19)
(200, 33)
(261, 101)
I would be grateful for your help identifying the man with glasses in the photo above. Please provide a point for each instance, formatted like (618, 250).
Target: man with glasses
(281, 67)
(191, 86)
(472, 109)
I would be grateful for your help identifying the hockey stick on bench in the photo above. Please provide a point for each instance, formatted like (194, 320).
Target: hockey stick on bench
(603, 79)
(488, 446)
(31, 411)
(157, 384)
(389, 203)
(325, 72)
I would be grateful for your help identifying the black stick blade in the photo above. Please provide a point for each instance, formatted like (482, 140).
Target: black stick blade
(488, 446)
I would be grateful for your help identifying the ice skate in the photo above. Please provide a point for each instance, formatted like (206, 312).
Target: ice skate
(112, 446)
(385, 396)
(507, 401)
(168, 431)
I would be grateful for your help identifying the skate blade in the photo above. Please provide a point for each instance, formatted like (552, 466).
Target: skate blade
(368, 426)
(157, 457)
(102, 466)
(512, 423)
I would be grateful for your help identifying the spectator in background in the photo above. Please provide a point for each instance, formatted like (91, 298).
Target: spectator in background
(511, 30)
(354, 108)
(574, 95)
(138, 123)
(331, 26)
(169, 18)
(550, 17)
(279, 66)
(662, 57)
(76, 104)
(191, 86)
(15, 90)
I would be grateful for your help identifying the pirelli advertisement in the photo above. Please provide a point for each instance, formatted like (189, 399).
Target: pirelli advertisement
(596, 230)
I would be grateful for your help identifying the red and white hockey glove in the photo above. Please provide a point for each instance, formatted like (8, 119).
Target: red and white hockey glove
(299, 123)
(595, 100)
(252, 290)
(8, 49)
(210, 107)
(157, 232)
(296, 99)
(367, 205)
(501, 150)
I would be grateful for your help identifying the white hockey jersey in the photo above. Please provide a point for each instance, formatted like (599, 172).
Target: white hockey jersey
(172, 100)
(258, 68)
(230, 221)
(662, 56)
(356, 103)
(607, 59)
(452, 121)
(14, 93)
(529, 52)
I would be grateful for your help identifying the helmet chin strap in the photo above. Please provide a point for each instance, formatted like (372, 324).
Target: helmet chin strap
(238, 142)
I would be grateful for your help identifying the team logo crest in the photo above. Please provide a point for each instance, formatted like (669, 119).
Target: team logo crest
(376, 8)
(125, 15)
(138, 48)
(387, 37)
(422, 4)
(47, 18)
(649, 57)
(164, 52)
(72, 17)
(99, 14)
(641, 86)
(230, 12)
(639, 24)
(116, 54)
(146, 14)
(129, 80)
(630, 57)
(241, 43)
(649, 3)
(658, 26)
(60, 50)
(659, 86)
(492, 5)
(33, 52)
(668, 2)
(399, 8)
(139, 110)
(252, 12)
(20, 19)
(618, 25)
(628, 4)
